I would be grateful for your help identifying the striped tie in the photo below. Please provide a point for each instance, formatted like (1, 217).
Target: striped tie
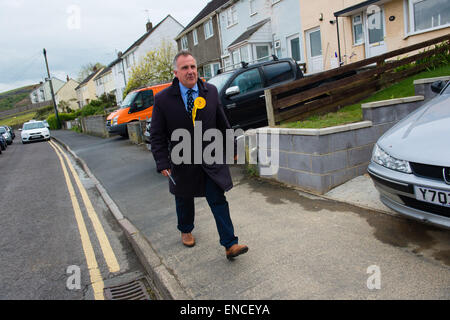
(190, 101)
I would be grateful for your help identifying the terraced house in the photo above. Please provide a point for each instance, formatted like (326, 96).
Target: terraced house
(202, 38)
(345, 31)
(254, 30)
(165, 31)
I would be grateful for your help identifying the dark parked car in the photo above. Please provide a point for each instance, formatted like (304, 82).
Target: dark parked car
(241, 91)
(3, 144)
(11, 131)
(6, 134)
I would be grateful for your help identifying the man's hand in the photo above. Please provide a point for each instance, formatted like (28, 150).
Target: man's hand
(166, 172)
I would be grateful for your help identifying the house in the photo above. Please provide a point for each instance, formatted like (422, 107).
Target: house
(202, 38)
(104, 82)
(341, 32)
(67, 95)
(43, 92)
(165, 31)
(86, 91)
(254, 30)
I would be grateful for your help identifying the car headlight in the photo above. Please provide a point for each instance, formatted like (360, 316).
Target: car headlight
(383, 158)
(114, 120)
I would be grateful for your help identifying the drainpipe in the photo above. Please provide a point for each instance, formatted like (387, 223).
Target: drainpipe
(339, 42)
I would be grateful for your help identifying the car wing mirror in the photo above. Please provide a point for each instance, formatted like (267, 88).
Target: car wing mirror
(437, 86)
(232, 91)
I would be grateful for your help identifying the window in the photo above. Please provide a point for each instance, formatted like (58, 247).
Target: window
(375, 29)
(358, 35)
(231, 16)
(194, 35)
(148, 98)
(210, 70)
(244, 53)
(252, 4)
(295, 48)
(248, 81)
(227, 63)
(236, 57)
(278, 72)
(262, 53)
(184, 43)
(428, 14)
(208, 26)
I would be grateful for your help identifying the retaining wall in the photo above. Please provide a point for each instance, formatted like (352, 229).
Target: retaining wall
(95, 125)
(321, 159)
(422, 87)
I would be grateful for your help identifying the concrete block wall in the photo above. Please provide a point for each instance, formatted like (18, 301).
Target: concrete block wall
(95, 125)
(422, 87)
(318, 160)
(321, 159)
(393, 110)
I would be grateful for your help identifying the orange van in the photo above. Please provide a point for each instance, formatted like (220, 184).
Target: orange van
(137, 105)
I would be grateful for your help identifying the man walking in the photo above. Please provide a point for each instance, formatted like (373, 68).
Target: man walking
(172, 110)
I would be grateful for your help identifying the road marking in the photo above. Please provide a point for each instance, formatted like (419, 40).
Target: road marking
(108, 252)
(94, 272)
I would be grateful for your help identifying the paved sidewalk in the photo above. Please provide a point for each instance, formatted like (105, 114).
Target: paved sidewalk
(300, 246)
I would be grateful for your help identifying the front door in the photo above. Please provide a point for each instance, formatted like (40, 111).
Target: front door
(314, 50)
(375, 31)
(293, 44)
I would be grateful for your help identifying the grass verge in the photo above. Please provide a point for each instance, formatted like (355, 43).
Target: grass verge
(18, 120)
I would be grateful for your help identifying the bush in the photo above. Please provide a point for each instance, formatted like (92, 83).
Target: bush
(62, 117)
(43, 112)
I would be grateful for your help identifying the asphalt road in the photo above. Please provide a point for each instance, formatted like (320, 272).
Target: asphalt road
(301, 246)
(42, 245)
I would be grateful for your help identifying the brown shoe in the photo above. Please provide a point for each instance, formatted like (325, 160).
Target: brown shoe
(188, 239)
(235, 250)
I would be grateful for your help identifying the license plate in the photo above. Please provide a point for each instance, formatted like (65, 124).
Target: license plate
(439, 197)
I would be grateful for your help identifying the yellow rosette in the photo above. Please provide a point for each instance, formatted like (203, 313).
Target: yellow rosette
(199, 103)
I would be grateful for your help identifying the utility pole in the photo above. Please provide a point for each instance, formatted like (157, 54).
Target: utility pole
(51, 90)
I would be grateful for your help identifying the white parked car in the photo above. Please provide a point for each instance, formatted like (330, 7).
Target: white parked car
(34, 131)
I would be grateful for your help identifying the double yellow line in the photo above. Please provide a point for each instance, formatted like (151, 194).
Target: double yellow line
(108, 253)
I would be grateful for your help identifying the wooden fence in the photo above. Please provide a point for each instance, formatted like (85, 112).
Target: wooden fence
(292, 102)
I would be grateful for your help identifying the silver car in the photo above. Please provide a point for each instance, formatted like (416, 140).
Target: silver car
(410, 163)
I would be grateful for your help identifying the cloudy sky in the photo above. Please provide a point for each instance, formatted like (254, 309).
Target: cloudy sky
(74, 33)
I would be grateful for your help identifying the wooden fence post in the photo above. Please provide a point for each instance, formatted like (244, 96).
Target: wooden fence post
(269, 107)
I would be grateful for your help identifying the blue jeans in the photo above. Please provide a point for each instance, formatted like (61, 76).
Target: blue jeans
(219, 206)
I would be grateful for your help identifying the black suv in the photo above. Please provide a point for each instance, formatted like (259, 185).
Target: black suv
(241, 91)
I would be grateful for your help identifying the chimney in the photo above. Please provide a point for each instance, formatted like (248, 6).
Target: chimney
(94, 69)
(149, 26)
(68, 78)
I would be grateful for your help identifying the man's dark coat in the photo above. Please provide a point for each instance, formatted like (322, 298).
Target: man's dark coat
(169, 114)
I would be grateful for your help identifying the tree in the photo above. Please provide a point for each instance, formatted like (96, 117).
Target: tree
(87, 69)
(155, 67)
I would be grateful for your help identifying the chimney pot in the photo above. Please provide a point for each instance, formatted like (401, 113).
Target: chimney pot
(149, 26)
